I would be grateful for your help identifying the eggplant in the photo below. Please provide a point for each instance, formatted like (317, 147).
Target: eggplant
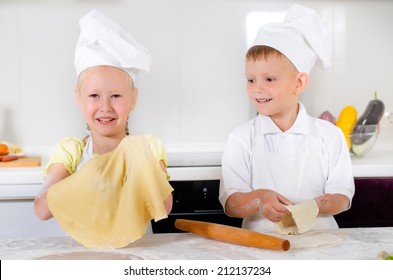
(373, 113)
(367, 124)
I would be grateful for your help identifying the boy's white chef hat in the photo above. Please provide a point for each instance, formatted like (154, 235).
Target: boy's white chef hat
(301, 37)
(103, 42)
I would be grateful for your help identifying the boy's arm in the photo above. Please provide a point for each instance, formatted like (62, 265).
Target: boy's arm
(332, 204)
(268, 203)
(56, 173)
(339, 188)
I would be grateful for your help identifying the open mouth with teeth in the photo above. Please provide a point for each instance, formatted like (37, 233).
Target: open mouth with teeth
(263, 100)
(105, 120)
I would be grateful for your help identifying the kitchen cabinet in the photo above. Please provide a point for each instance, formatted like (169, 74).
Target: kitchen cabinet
(18, 220)
(372, 205)
(17, 216)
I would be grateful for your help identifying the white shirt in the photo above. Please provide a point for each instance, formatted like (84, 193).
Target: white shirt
(309, 159)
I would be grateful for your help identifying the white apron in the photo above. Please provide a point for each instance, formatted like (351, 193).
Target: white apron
(87, 154)
(298, 176)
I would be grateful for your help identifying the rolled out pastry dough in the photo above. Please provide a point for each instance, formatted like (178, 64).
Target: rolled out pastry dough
(109, 202)
(311, 239)
(301, 218)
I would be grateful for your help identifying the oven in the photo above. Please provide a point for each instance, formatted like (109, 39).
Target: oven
(195, 178)
(195, 200)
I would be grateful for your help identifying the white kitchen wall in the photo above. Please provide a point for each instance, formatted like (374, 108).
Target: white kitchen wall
(195, 92)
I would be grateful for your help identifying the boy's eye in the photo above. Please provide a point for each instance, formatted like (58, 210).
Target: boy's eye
(250, 81)
(115, 95)
(94, 95)
(269, 79)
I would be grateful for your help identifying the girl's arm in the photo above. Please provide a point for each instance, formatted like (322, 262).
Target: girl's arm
(169, 200)
(56, 173)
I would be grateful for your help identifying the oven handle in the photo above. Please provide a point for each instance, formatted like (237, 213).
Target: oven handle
(196, 212)
(16, 198)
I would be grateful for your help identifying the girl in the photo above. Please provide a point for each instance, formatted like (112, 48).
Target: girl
(106, 95)
(105, 188)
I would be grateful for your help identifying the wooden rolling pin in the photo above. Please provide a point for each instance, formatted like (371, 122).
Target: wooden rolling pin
(233, 234)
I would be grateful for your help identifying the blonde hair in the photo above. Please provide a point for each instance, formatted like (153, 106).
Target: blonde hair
(83, 73)
(262, 52)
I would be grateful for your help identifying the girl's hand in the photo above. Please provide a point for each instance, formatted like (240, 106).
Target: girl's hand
(56, 173)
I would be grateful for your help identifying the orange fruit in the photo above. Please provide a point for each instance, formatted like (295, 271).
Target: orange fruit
(3, 149)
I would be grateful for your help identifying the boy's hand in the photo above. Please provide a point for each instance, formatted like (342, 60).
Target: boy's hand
(271, 206)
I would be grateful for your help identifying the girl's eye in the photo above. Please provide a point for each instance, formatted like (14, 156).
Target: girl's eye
(116, 96)
(250, 81)
(270, 79)
(94, 95)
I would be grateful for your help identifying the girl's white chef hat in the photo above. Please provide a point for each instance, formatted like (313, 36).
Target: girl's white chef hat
(301, 37)
(103, 42)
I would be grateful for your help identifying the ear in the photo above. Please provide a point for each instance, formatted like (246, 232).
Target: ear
(134, 98)
(78, 98)
(302, 82)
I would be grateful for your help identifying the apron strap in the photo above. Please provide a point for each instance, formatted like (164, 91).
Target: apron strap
(87, 153)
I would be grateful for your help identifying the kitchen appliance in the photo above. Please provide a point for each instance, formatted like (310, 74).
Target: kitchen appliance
(195, 200)
(195, 195)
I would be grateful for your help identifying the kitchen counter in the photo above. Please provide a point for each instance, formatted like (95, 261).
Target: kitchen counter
(357, 244)
(203, 163)
(19, 186)
(25, 182)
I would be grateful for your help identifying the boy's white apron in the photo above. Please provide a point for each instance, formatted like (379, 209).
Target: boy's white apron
(298, 176)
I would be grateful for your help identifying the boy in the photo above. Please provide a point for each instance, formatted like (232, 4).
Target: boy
(284, 156)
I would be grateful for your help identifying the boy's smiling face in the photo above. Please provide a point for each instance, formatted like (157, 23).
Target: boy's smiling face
(106, 97)
(274, 86)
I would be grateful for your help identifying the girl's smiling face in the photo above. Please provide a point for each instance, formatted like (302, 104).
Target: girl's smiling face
(106, 96)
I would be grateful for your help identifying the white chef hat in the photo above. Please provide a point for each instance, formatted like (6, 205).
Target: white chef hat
(103, 42)
(301, 37)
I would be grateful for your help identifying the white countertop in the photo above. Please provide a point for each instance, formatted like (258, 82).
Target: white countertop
(357, 244)
(196, 164)
(379, 161)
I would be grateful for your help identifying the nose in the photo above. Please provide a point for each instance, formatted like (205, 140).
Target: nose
(106, 105)
(258, 87)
